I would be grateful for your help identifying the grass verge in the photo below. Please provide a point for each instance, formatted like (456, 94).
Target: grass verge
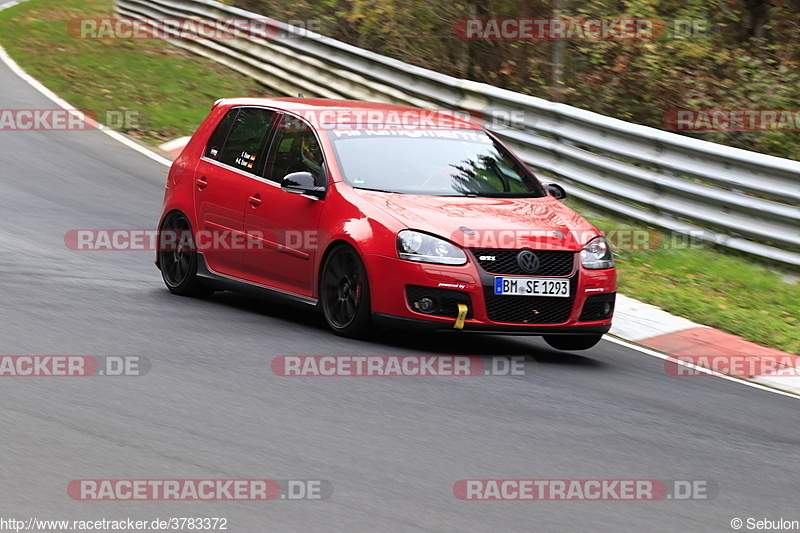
(168, 91)
(173, 90)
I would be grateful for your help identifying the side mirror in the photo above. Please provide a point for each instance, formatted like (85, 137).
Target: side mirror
(302, 183)
(556, 190)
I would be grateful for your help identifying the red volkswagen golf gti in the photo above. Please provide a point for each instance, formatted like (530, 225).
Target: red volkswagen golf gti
(381, 215)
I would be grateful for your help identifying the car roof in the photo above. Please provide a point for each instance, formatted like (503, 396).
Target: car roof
(323, 111)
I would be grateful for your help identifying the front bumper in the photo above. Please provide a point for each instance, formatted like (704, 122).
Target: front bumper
(390, 278)
(400, 322)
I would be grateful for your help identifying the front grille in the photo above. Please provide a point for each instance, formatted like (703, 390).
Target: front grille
(528, 309)
(446, 299)
(594, 308)
(505, 262)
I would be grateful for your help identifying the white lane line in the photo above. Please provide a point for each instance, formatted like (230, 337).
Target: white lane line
(655, 353)
(33, 82)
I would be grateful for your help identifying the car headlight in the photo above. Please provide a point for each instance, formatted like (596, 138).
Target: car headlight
(597, 254)
(417, 246)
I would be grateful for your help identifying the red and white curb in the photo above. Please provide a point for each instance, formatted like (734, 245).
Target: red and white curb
(174, 147)
(637, 321)
(676, 337)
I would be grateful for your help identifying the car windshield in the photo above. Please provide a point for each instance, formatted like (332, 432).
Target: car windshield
(431, 162)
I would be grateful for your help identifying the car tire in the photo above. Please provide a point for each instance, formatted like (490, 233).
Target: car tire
(344, 293)
(572, 342)
(178, 263)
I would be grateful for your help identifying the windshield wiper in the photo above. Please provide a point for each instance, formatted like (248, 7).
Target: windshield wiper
(376, 190)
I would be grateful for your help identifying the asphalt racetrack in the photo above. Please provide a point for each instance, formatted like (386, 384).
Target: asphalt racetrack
(392, 448)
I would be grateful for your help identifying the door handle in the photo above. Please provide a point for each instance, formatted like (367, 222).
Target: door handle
(255, 200)
(202, 183)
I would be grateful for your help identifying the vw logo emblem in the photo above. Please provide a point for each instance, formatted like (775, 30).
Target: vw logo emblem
(528, 261)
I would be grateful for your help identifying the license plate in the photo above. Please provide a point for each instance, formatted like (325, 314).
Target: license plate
(532, 286)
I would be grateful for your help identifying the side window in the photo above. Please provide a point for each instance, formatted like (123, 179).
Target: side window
(217, 139)
(295, 149)
(244, 141)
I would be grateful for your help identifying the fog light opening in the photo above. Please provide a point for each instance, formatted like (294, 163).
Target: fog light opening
(427, 305)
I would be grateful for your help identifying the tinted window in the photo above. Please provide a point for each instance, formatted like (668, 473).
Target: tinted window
(217, 139)
(432, 162)
(243, 145)
(295, 149)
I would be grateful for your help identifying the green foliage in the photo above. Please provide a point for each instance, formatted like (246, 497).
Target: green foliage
(638, 81)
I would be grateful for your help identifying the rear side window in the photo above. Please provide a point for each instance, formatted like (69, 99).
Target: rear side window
(217, 140)
(295, 149)
(245, 139)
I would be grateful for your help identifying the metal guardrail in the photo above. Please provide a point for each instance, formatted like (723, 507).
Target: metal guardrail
(734, 198)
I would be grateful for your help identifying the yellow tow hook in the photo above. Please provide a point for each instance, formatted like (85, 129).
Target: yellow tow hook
(462, 314)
